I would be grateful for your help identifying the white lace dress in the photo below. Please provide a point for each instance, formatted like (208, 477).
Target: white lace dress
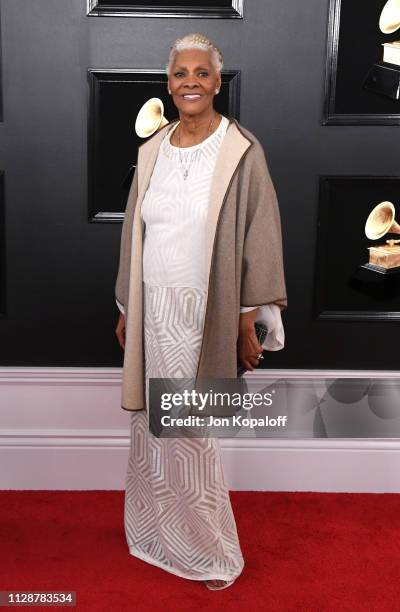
(178, 514)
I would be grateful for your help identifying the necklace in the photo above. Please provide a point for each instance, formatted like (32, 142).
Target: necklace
(186, 169)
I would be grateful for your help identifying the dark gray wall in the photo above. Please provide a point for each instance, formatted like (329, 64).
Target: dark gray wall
(60, 269)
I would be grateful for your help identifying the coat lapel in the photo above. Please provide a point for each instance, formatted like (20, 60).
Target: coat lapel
(133, 385)
(233, 147)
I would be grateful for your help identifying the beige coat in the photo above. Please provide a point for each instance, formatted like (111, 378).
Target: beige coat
(244, 256)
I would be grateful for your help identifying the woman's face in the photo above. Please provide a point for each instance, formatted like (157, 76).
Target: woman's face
(193, 81)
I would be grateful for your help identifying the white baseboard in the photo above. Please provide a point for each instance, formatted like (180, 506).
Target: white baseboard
(63, 428)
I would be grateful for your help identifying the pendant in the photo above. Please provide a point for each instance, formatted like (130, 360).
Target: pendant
(185, 174)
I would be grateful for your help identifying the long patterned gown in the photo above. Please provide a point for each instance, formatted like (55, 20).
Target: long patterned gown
(178, 514)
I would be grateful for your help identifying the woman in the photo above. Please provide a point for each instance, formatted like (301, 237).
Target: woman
(200, 261)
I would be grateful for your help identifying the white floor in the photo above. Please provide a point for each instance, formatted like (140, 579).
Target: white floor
(63, 428)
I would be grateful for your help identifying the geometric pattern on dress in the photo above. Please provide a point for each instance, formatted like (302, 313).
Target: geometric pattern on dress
(178, 514)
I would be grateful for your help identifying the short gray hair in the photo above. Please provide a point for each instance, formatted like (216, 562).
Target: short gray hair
(195, 41)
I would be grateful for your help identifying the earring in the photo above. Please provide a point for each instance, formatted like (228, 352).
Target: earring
(217, 91)
(169, 91)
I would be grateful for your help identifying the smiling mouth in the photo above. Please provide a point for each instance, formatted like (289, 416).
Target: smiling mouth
(191, 96)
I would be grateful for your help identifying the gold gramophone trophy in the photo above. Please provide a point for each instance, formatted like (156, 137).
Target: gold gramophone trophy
(384, 77)
(384, 258)
(149, 120)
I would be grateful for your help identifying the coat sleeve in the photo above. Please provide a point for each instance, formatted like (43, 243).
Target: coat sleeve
(122, 281)
(262, 277)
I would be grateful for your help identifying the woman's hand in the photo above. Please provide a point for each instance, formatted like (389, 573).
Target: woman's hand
(120, 330)
(248, 344)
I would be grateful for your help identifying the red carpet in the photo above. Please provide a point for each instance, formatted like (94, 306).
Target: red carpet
(304, 552)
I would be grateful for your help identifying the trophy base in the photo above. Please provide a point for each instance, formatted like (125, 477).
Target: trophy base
(384, 79)
(375, 269)
(376, 281)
